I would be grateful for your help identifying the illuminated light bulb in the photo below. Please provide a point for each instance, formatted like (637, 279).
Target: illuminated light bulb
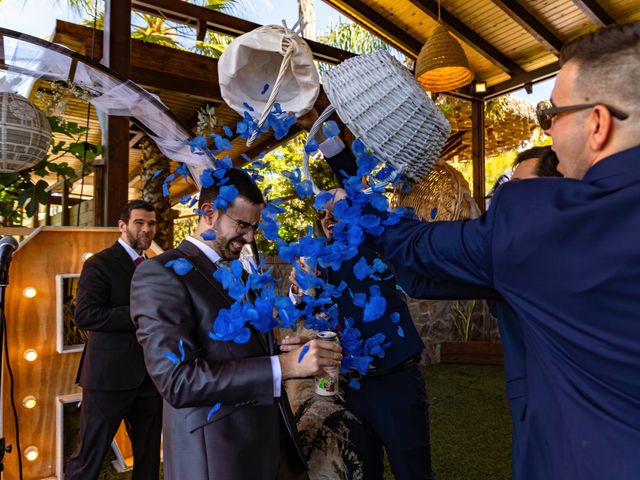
(29, 292)
(31, 453)
(86, 256)
(30, 355)
(29, 401)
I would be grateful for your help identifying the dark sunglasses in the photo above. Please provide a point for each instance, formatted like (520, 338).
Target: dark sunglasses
(321, 214)
(547, 111)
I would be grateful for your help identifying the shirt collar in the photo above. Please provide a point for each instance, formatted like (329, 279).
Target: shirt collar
(132, 253)
(210, 253)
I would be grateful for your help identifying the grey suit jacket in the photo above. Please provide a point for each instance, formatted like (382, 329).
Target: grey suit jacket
(242, 440)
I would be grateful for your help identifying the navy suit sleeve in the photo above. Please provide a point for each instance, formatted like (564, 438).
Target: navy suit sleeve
(421, 287)
(344, 163)
(94, 308)
(459, 251)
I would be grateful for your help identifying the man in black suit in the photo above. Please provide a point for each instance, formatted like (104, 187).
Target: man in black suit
(250, 433)
(115, 383)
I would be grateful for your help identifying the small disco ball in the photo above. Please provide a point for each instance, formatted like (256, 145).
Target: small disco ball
(25, 134)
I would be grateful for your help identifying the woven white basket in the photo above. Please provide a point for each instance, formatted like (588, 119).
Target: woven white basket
(384, 106)
(25, 134)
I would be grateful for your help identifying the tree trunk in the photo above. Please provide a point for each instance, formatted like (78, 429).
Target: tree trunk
(151, 190)
(307, 13)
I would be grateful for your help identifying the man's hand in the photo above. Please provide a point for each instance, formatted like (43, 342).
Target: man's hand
(291, 343)
(320, 356)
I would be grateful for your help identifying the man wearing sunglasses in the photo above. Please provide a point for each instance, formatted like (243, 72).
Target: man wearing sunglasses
(570, 269)
(226, 415)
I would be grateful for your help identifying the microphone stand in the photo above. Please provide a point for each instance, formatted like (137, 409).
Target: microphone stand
(7, 246)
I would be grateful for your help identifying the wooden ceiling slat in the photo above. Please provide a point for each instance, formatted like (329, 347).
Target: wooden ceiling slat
(359, 12)
(595, 12)
(531, 24)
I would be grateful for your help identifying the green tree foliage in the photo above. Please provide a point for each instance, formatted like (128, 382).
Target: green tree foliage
(299, 214)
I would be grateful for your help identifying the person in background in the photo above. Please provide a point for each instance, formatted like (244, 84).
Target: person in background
(114, 380)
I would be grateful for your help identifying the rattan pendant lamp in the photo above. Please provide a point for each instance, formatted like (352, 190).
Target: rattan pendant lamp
(442, 65)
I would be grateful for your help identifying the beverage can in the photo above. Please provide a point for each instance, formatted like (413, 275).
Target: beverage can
(327, 385)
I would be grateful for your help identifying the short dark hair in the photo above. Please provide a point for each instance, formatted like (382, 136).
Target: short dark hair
(247, 188)
(547, 160)
(548, 165)
(608, 61)
(125, 213)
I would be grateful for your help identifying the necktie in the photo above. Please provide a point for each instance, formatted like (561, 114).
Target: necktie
(138, 260)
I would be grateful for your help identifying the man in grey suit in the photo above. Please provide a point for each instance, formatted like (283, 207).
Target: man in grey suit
(250, 432)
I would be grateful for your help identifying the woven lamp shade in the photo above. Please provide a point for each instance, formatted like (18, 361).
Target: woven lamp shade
(442, 195)
(442, 65)
(25, 134)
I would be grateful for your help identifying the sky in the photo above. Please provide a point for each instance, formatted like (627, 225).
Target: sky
(37, 17)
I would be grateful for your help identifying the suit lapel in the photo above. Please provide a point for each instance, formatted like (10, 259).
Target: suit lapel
(203, 266)
(123, 259)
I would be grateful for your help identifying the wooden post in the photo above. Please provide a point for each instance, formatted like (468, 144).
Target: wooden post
(477, 140)
(66, 210)
(115, 137)
(98, 193)
(47, 213)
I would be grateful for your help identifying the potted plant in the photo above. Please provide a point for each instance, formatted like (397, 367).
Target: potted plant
(466, 349)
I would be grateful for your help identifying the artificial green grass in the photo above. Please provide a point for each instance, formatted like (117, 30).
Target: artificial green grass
(470, 424)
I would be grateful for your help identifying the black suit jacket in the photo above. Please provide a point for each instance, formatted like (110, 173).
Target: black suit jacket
(242, 439)
(112, 358)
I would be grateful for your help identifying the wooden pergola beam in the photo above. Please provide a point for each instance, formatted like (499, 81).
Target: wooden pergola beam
(201, 18)
(116, 48)
(519, 81)
(469, 36)
(361, 13)
(519, 14)
(595, 12)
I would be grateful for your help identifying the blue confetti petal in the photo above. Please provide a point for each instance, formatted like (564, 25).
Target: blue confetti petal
(434, 212)
(303, 352)
(395, 317)
(400, 331)
(264, 89)
(181, 266)
(213, 410)
(173, 357)
(156, 173)
(311, 146)
(181, 348)
(227, 131)
(331, 129)
(208, 235)
(355, 384)
(247, 106)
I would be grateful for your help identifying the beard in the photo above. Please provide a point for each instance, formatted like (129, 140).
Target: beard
(140, 242)
(227, 247)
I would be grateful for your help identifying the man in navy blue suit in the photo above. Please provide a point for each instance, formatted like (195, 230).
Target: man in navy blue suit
(577, 300)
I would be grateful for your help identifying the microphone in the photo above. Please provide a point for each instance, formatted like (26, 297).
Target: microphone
(7, 247)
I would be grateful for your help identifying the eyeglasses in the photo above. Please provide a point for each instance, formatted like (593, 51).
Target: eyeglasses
(242, 227)
(546, 111)
(321, 214)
